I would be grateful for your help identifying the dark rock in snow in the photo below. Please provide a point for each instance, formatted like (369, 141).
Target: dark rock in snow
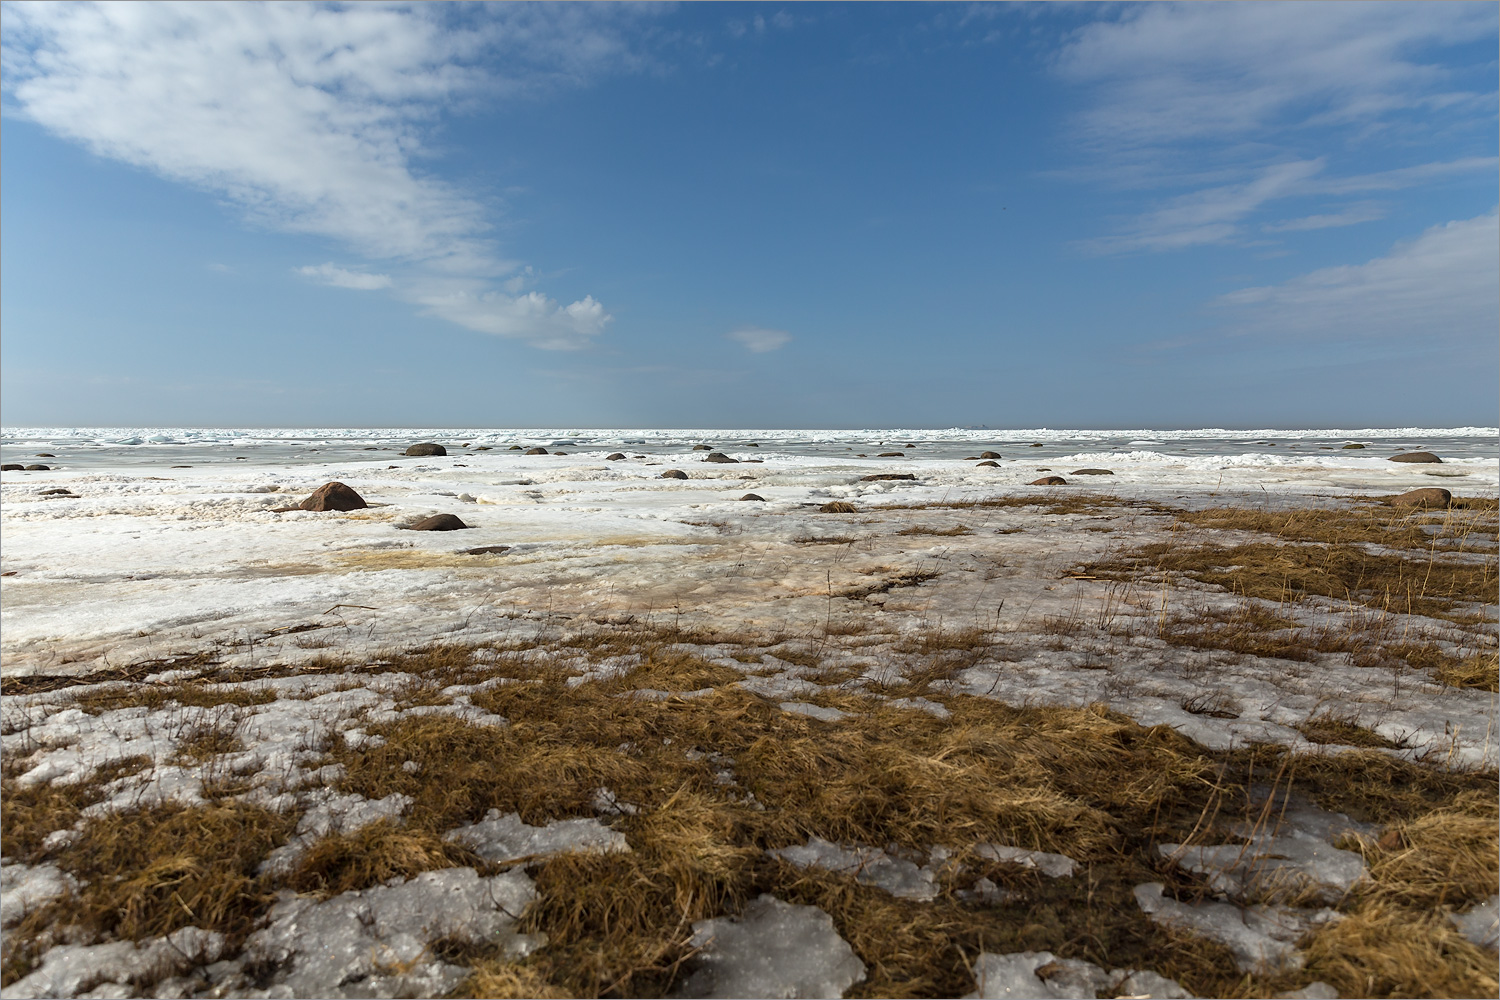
(1050, 481)
(701, 447)
(617, 456)
(992, 465)
(12, 467)
(1349, 447)
(837, 507)
(536, 451)
(424, 450)
(1430, 496)
(38, 468)
(719, 456)
(1092, 472)
(887, 477)
(439, 522)
(486, 550)
(673, 474)
(334, 496)
(45, 454)
(989, 454)
(1420, 457)
(753, 496)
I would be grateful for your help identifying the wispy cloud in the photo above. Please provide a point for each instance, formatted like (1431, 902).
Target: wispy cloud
(758, 339)
(310, 118)
(1351, 216)
(1440, 284)
(1236, 102)
(338, 277)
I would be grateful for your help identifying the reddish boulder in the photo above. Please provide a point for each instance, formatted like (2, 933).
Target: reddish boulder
(1431, 496)
(1050, 481)
(439, 522)
(1420, 457)
(334, 496)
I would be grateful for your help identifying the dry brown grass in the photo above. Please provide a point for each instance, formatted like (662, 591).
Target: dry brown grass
(1345, 730)
(1389, 951)
(926, 529)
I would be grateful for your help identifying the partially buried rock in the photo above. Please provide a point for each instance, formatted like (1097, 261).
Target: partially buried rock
(536, 451)
(884, 477)
(439, 522)
(1092, 472)
(613, 458)
(1431, 496)
(486, 550)
(45, 454)
(334, 496)
(673, 474)
(989, 454)
(701, 447)
(12, 467)
(891, 454)
(1050, 481)
(837, 507)
(988, 465)
(1420, 457)
(514, 447)
(1349, 447)
(1036, 444)
(753, 496)
(425, 449)
(719, 456)
(38, 468)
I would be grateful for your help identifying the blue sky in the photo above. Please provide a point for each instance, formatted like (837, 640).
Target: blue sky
(749, 215)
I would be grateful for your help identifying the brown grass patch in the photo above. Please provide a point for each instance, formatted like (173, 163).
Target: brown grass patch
(1331, 727)
(923, 529)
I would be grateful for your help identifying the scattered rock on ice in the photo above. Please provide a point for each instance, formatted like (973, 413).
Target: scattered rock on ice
(673, 474)
(885, 477)
(989, 454)
(536, 451)
(617, 456)
(425, 450)
(1092, 472)
(721, 458)
(868, 865)
(23, 888)
(377, 942)
(988, 465)
(40, 468)
(1050, 481)
(12, 467)
(1054, 865)
(505, 838)
(1033, 975)
(1481, 924)
(753, 496)
(70, 969)
(773, 949)
(1430, 496)
(439, 522)
(1419, 457)
(486, 550)
(334, 496)
(1261, 937)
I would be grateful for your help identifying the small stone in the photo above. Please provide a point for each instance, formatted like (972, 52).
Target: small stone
(989, 454)
(486, 550)
(837, 507)
(989, 465)
(425, 450)
(891, 454)
(1092, 472)
(334, 496)
(1431, 496)
(45, 454)
(751, 444)
(673, 474)
(38, 468)
(1037, 444)
(1050, 481)
(1354, 447)
(536, 451)
(514, 447)
(482, 447)
(617, 456)
(439, 522)
(720, 457)
(1419, 457)
(753, 496)
(885, 477)
(701, 447)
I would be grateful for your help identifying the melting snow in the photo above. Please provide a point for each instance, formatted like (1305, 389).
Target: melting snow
(773, 949)
(505, 838)
(868, 865)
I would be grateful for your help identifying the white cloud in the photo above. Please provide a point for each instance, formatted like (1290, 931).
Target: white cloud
(1443, 283)
(1351, 216)
(538, 319)
(338, 277)
(758, 339)
(308, 117)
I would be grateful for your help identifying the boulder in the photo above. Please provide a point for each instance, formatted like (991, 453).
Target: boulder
(1036, 444)
(1092, 472)
(701, 447)
(1050, 481)
(486, 550)
(426, 449)
(12, 467)
(837, 507)
(884, 477)
(1431, 496)
(988, 465)
(719, 456)
(614, 458)
(514, 447)
(438, 522)
(989, 454)
(536, 451)
(1420, 457)
(481, 447)
(891, 454)
(753, 496)
(39, 468)
(1349, 447)
(334, 496)
(673, 474)
(751, 444)
(45, 454)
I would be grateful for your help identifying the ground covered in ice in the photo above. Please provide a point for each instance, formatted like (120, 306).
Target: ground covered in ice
(1214, 725)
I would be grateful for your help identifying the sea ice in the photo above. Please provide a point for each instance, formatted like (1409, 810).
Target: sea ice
(773, 949)
(505, 838)
(868, 865)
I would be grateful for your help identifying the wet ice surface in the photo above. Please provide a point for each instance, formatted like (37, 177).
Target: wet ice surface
(1041, 975)
(500, 839)
(868, 865)
(1262, 937)
(1481, 923)
(1055, 865)
(68, 970)
(24, 888)
(772, 949)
